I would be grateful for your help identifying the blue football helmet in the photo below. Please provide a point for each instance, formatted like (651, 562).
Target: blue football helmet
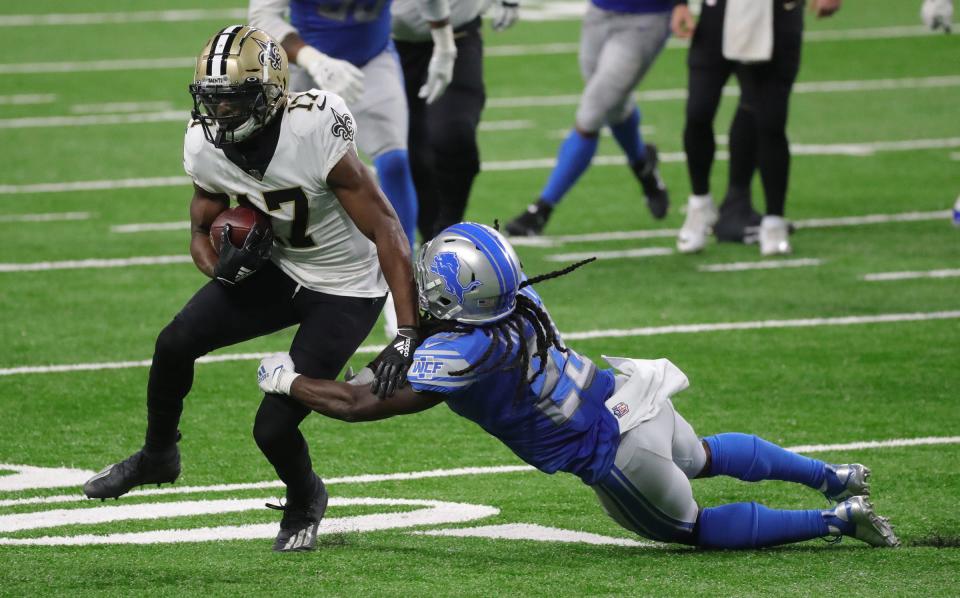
(468, 273)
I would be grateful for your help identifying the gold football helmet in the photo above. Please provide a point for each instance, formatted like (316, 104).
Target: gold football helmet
(239, 85)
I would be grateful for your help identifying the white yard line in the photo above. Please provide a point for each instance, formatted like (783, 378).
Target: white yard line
(150, 227)
(97, 263)
(27, 98)
(627, 235)
(137, 183)
(48, 217)
(608, 255)
(537, 533)
(153, 112)
(86, 66)
(584, 335)
(101, 18)
(660, 95)
(505, 125)
(90, 115)
(455, 472)
(883, 276)
(762, 265)
(108, 107)
(86, 120)
(763, 324)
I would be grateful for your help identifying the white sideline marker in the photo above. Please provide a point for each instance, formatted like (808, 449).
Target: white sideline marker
(762, 265)
(46, 217)
(884, 276)
(585, 335)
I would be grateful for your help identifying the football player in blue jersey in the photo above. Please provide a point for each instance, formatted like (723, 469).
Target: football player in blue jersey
(344, 46)
(492, 353)
(618, 44)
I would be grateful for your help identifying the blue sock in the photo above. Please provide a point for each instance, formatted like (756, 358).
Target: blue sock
(749, 458)
(393, 169)
(574, 157)
(627, 134)
(751, 525)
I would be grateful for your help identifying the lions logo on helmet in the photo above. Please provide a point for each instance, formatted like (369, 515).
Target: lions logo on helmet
(239, 85)
(447, 266)
(468, 273)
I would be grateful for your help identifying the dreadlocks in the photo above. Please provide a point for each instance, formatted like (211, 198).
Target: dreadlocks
(502, 332)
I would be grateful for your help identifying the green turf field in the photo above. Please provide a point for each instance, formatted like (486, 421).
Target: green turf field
(812, 355)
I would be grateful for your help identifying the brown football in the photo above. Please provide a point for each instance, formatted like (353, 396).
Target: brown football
(241, 219)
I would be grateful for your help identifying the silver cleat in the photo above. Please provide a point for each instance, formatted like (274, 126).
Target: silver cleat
(855, 478)
(867, 525)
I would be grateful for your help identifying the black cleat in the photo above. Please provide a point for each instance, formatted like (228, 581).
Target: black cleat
(654, 189)
(532, 221)
(738, 221)
(299, 525)
(136, 470)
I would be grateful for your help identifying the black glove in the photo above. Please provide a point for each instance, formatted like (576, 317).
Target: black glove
(390, 367)
(237, 263)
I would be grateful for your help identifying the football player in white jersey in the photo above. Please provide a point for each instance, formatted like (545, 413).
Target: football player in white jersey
(334, 247)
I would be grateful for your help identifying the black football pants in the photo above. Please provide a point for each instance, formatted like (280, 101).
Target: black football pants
(442, 144)
(331, 328)
(758, 137)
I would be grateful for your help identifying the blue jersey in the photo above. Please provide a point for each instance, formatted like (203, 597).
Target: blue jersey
(558, 423)
(351, 30)
(634, 6)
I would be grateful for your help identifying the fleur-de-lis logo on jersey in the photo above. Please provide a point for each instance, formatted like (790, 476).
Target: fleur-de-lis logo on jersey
(269, 52)
(342, 125)
(446, 265)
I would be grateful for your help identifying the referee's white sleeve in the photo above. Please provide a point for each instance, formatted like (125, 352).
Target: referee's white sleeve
(269, 15)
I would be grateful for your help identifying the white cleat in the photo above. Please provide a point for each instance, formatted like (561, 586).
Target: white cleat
(867, 525)
(774, 236)
(697, 226)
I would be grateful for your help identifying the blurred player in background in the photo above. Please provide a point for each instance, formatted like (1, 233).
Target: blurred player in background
(334, 247)
(444, 155)
(937, 15)
(618, 44)
(344, 46)
(492, 353)
(759, 42)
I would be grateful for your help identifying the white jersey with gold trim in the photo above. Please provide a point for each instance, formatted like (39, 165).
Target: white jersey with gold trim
(316, 242)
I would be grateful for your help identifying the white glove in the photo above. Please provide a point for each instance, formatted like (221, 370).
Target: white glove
(332, 74)
(276, 374)
(937, 14)
(364, 376)
(440, 70)
(505, 15)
